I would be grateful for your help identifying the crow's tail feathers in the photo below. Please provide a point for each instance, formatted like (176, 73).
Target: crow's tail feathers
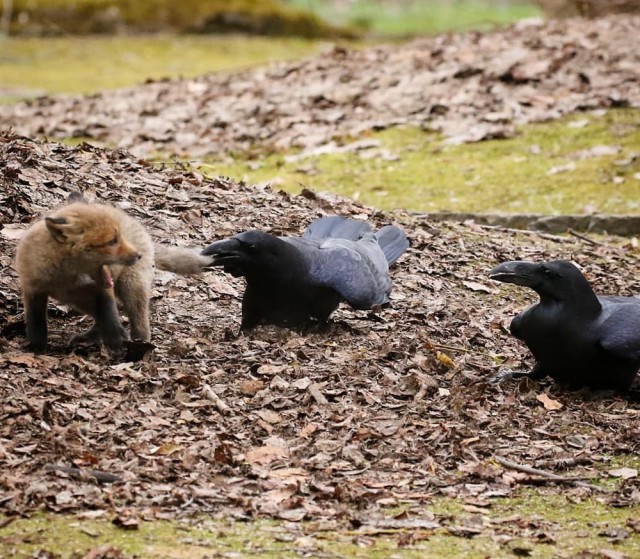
(393, 242)
(337, 227)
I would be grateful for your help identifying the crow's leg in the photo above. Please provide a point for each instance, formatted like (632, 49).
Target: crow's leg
(254, 308)
(535, 374)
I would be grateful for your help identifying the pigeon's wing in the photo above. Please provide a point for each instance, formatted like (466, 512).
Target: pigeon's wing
(620, 327)
(358, 271)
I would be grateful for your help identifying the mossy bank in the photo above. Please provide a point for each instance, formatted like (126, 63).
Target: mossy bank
(533, 525)
(263, 17)
(585, 163)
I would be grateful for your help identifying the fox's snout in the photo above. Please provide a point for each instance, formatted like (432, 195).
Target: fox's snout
(130, 256)
(132, 259)
(126, 253)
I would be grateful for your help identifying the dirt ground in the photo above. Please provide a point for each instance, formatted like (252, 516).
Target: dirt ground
(382, 409)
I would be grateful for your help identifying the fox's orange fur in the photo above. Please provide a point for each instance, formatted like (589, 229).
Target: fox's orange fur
(84, 255)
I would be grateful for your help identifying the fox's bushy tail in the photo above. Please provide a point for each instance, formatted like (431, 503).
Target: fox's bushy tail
(181, 260)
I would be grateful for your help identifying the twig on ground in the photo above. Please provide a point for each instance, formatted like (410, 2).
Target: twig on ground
(79, 473)
(218, 402)
(585, 238)
(6, 521)
(457, 348)
(547, 475)
(548, 236)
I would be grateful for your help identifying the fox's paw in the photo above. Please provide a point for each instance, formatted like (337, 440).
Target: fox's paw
(115, 340)
(36, 347)
(90, 337)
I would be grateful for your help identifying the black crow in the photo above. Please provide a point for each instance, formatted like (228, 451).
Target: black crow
(300, 281)
(576, 337)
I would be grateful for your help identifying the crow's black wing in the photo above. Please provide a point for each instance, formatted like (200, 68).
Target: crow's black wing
(619, 327)
(357, 270)
(337, 227)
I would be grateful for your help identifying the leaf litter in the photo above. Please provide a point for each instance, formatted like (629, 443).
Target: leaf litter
(383, 411)
(470, 87)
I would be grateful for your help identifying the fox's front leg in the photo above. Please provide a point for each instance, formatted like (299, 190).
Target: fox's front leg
(134, 292)
(136, 307)
(107, 319)
(36, 318)
(100, 304)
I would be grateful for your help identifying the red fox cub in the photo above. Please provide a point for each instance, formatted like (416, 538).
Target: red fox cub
(84, 255)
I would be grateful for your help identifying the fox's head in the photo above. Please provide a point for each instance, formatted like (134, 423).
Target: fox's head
(89, 231)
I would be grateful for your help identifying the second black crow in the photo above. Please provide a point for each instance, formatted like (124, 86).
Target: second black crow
(577, 337)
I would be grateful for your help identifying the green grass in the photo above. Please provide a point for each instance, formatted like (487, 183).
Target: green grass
(261, 17)
(411, 169)
(540, 170)
(510, 524)
(419, 17)
(37, 66)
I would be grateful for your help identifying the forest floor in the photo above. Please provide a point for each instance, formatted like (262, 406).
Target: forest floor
(382, 436)
(470, 87)
(506, 121)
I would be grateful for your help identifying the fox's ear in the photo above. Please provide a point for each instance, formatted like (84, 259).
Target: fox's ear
(76, 196)
(60, 227)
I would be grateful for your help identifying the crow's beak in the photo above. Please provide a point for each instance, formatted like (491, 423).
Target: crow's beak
(220, 248)
(518, 272)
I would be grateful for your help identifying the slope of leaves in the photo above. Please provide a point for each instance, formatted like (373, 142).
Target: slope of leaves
(383, 409)
(470, 86)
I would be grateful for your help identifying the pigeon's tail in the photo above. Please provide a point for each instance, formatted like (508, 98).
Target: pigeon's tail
(337, 227)
(393, 242)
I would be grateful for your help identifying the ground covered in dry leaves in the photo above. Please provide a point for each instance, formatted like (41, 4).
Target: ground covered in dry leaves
(388, 409)
(470, 86)
(384, 411)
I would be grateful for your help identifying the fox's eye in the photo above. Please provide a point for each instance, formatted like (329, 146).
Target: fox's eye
(113, 242)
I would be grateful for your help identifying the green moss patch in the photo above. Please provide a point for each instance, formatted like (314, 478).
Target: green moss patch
(417, 17)
(33, 66)
(265, 17)
(582, 164)
(532, 525)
